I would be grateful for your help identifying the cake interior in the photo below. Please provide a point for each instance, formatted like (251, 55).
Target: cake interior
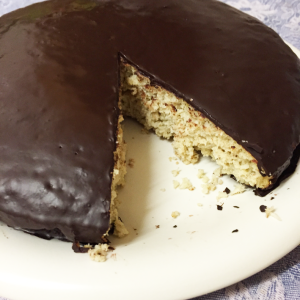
(118, 180)
(192, 133)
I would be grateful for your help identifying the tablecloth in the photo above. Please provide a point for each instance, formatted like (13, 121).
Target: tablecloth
(280, 281)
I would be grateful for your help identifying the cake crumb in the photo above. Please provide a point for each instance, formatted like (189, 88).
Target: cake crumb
(175, 172)
(175, 226)
(270, 211)
(131, 163)
(238, 189)
(120, 229)
(176, 184)
(175, 214)
(207, 188)
(212, 187)
(157, 226)
(201, 173)
(222, 195)
(200, 204)
(235, 230)
(220, 181)
(218, 172)
(214, 180)
(205, 179)
(172, 158)
(99, 253)
(186, 185)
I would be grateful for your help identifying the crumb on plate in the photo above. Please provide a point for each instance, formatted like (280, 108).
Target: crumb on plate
(175, 214)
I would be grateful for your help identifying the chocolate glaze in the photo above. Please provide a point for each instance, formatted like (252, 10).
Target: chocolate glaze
(45, 234)
(284, 175)
(78, 249)
(59, 88)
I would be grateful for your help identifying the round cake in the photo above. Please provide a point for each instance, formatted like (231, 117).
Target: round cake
(213, 79)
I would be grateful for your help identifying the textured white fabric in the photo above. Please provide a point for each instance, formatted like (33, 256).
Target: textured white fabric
(281, 15)
(280, 281)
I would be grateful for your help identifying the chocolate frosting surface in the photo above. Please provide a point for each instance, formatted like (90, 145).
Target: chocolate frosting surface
(59, 95)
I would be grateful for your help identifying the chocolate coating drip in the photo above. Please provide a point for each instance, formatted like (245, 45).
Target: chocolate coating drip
(59, 94)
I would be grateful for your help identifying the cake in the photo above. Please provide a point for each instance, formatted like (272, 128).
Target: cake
(213, 79)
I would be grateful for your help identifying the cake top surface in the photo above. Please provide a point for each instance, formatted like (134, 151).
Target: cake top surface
(59, 94)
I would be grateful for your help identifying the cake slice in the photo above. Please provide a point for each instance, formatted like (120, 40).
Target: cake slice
(171, 117)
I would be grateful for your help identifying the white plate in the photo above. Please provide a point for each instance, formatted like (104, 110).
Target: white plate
(201, 255)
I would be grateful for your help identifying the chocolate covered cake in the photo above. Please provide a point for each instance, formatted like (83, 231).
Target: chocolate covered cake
(212, 78)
